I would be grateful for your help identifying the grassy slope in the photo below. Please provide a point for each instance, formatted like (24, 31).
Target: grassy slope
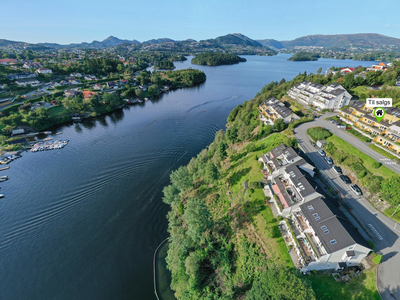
(367, 160)
(383, 152)
(359, 288)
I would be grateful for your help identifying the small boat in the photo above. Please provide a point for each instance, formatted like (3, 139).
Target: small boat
(145, 99)
(4, 168)
(1, 196)
(47, 132)
(59, 132)
(4, 177)
(47, 139)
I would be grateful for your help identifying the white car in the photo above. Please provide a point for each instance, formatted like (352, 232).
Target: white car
(341, 126)
(329, 160)
(321, 152)
(356, 189)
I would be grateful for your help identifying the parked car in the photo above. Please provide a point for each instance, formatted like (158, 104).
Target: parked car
(356, 189)
(321, 152)
(341, 126)
(345, 179)
(329, 160)
(338, 170)
(332, 120)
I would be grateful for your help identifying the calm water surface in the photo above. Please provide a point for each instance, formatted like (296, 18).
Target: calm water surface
(83, 222)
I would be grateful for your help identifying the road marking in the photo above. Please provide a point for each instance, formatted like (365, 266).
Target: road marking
(375, 232)
(395, 224)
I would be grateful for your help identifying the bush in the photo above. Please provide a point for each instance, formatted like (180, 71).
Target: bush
(256, 185)
(318, 133)
(377, 259)
(376, 164)
(359, 135)
(361, 174)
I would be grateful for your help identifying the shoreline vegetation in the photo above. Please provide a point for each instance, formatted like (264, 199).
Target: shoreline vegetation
(217, 59)
(57, 108)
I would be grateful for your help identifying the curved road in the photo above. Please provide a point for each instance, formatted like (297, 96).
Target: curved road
(384, 231)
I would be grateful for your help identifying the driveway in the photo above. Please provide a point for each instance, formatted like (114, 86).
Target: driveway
(384, 231)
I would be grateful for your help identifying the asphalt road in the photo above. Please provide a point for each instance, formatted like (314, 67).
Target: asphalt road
(384, 231)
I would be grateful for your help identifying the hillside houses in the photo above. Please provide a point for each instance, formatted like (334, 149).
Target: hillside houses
(272, 109)
(28, 81)
(332, 96)
(325, 239)
(386, 132)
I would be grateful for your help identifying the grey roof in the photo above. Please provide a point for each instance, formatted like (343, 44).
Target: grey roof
(264, 158)
(26, 80)
(299, 180)
(283, 111)
(338, 235)
(358, 104)
(289, 153)
(346, 111)
(276, 163)
(337, 92)
(392, 111)
(317, 85)
(278, 150)
(350, 253)
(333, 84)
(270, 101)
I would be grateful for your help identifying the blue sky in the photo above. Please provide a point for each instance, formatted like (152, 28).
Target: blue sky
(74, 21)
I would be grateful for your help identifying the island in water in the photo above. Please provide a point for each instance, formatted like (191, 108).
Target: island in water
(304, 56)
(217, 59)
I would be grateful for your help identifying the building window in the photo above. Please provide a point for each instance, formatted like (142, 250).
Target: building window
(333, 242)
(324, 227)
(310, 208)
(315, 215)
(326, 231)
(317, 218)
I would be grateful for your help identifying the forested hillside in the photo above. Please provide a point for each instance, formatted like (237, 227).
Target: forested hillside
(217, 59)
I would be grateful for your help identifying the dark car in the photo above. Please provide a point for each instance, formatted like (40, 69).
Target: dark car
(345, 178)
(338, 170)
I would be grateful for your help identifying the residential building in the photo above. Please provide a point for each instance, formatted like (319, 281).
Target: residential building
(75, 75)
(90, 77)
(327, 241)
(380, 67)
(22, 75)
(289, 175)
(272, 109)
(6, 61)
(98, 86)
(332, 96)
(71, 93)
(88, 94)
(31, 81)
(41, 104)
(386, 132)
(332, 241)
(44, 71)
(347, 70)
(111, 84)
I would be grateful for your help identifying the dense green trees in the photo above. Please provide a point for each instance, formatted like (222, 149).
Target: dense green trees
(217, 59)
(304, 56)
(164, 64)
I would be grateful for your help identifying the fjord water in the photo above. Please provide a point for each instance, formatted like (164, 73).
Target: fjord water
(83, 222)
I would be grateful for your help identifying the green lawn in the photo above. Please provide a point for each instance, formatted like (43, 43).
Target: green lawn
(367, 160)
(362, 92)
(359, 135)
(358, 288)
(383, 152)
(57, 110)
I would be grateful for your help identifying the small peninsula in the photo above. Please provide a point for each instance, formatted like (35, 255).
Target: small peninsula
(217, 59)
(304, 56)
(164, 65)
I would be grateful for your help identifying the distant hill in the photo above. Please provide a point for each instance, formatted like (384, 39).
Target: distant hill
(108, 42)
(271, 43)
(343, 40)
(158, 41)
(235, 39)
(5, 43)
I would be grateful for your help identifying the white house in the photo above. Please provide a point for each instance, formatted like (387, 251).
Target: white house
(44, 71)
(272, 109)
(31, 81)
(333, 96)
